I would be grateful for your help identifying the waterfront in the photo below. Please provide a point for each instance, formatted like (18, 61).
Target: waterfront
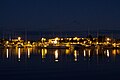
(59, 40)
(37, 63)
(85, 58)
(60, 57)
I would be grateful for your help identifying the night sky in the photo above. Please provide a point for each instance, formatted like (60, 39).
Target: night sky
(60, 15)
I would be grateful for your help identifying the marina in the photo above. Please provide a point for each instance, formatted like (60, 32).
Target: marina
(61, 43)
(59, 63)
(60, 57)
(58, 48)
(59, 39)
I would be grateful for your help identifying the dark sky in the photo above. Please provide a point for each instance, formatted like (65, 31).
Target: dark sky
(59, 15)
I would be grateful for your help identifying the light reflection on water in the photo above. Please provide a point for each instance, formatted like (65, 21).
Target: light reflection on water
(108, 53)
(75, 55)
(19, 53)
(44, 52)
(7, 53)
(60, 55)
(56, 55)
(28, 52)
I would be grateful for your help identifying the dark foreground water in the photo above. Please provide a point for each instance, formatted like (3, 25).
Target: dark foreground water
(59, 64)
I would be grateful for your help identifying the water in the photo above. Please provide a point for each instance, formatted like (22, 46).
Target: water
(32, 63)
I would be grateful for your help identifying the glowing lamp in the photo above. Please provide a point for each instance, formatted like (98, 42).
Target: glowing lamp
(19, 38)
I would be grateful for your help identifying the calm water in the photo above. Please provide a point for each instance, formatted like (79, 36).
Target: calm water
(31, 63)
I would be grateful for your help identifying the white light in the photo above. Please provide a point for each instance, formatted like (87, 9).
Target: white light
(7, 54)
(19, 38)
(84, 53)
(75, 55)
(18, 54)
(108, 53)
(55, 42)
(56, 55)
(108, 39)
(28, 53)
